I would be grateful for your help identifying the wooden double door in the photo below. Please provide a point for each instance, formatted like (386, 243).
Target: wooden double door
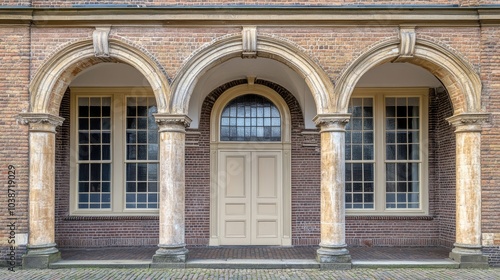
(250, 190)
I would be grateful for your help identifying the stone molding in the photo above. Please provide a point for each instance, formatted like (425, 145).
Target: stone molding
(408, 39)
(100, 41)
(172, 122)
(468, 122)
(249, 36)
(332, 122)
(40, 122)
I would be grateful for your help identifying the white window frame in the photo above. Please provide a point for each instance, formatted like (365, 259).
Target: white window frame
(379, 95)
(118, 150)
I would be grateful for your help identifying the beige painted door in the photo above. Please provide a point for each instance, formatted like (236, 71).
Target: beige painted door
(250, 187)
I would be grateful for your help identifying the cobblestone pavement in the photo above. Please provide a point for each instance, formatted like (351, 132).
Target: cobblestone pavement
(150, 274)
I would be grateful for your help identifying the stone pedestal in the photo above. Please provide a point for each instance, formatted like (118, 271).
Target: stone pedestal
(172, 250)
(467, 248)
(41, 241)
(333, 253)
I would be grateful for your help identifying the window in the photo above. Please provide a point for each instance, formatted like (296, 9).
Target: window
(386, 162)
(115, 167)
(250, 117)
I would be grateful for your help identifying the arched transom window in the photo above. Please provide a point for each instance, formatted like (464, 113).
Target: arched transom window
(250, 117)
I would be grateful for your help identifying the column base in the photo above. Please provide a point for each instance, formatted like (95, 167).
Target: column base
(333, 257)
(170, 256)
(469, 256)
(40, 256)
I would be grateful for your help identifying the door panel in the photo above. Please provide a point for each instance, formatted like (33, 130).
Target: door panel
(250, 205)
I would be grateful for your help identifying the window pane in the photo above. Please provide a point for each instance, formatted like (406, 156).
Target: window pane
(250, 117)
(141, 186)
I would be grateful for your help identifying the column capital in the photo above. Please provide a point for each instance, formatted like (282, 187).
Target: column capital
(40, 122)
(468, 122)
(332, 122)
(172, 122)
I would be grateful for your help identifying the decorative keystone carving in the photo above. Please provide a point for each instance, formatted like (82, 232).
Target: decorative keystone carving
(100, 40)
(468, 121)
(41, 122)
(332, 122)
(408, 39)
(172, 123)
(249, 34)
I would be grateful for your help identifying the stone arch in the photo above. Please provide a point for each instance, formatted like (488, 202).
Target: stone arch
(267, 47)
(51, 80)
(457, 75)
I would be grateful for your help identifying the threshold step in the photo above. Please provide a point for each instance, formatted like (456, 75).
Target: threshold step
(101, 264)
(404, 264)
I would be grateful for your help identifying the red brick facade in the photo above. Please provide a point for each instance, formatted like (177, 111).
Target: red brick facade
(26, 46)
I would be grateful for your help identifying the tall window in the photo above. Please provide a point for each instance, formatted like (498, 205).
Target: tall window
(116, 167)
(250, 117)
(385, 156)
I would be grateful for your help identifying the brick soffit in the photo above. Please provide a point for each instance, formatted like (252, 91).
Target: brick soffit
(268, 16)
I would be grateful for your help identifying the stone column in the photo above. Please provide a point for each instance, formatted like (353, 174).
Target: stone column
(333, 253)
(172, 250)
(41, 241)
(467, 248)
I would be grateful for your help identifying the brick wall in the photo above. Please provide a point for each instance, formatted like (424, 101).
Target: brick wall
(60, 3)
(14, 98)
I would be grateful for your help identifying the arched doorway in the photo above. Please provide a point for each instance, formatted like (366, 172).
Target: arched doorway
(250, 168)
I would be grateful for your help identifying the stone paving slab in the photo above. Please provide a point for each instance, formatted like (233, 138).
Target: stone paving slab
(256, 252)
(149, 274)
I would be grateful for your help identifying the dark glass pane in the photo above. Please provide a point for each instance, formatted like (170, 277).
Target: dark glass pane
(95, 138)
(83, 124)
(131, 171)
(390, 187)
(83, 111)
(348, 168)
(413, 123)
(357, 187)
(106, 111)
(368, 172)
(401, 187)
(131, 187)
(390, 111)
(348, 198)
(368, 152)
(357, 172)
(95, 152)
(131, 152)
(131, 137)
(390, 152)
(153, 151)
(357, 152)
(152, 172)
(367, 112)
(368, 198)
(131, 111)
(83, 198)
(142, 172)
(357, 137)
(142, 152)
(106, 187)
(356, 112)
(83, 138)
(95, 172)
(142, 110)
(402, 152)
(348, 187)
(390, 124)
(142, 187)
(152, 187)
(390, 137)
(142, 123)
(131, 123)
(83, 187)
(402, 137)
(357, 123)
(348, 152)
(106, 171)
(83, 172)
(106, 123)
(401, 123)
(106, 137)
(357, 198)
(105, 198)
(95, 187)
(83, 152)
(153, 137)
(390, 172)
(368, 137)
(142, 136)
(95, 111)
(106, 152)
(130, 197)
(152, 198)
(141, 198)
(401, 111)
(369, 187)
(95, 198)
(368, 124)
